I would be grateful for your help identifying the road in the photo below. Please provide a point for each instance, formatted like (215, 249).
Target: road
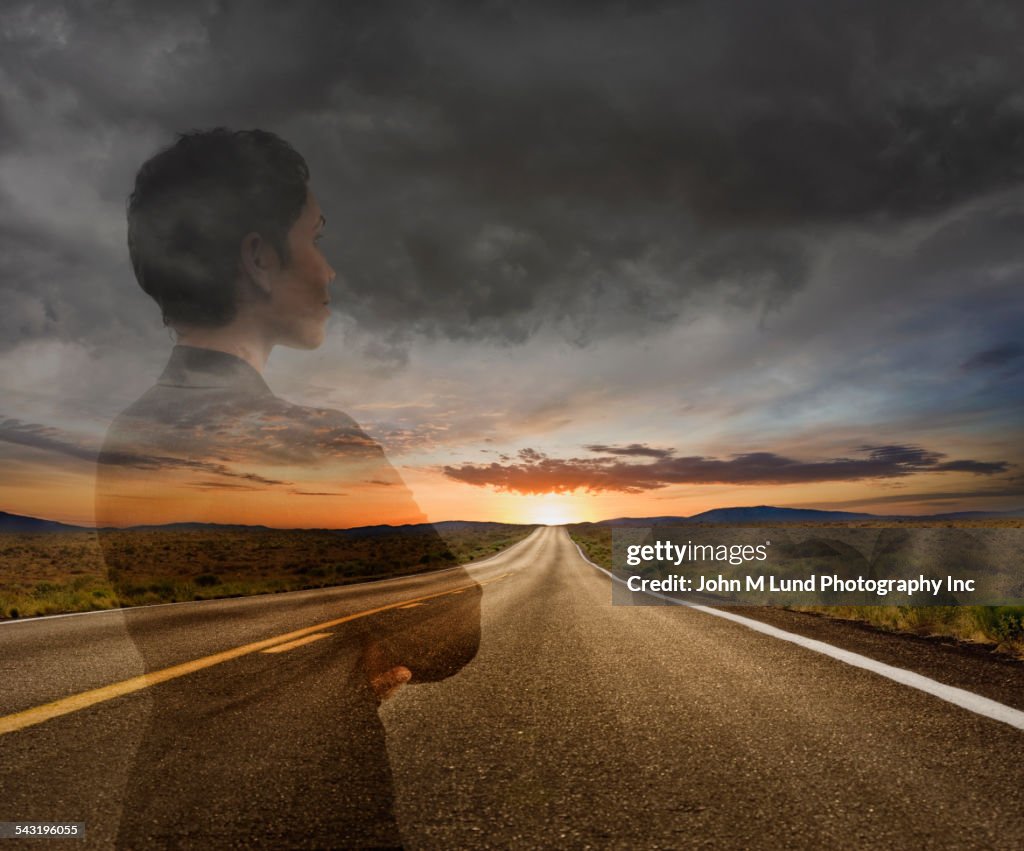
(577, 724)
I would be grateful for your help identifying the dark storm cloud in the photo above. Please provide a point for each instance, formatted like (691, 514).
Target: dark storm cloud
(1008, 489)
(487, 168)
(915, 458)
(58, 288)
(58, 444)
(46, 438)
(202, 62)
(158, 463)
(537, 473)
(620, 148)
(1003, 355)
(634, 449)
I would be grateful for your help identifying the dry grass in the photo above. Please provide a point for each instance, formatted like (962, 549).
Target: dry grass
(1001, 627)
(55, 573)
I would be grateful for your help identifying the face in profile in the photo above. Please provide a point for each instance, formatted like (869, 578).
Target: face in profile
(299, 297)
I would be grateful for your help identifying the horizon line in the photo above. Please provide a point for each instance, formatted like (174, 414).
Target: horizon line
(177, 523)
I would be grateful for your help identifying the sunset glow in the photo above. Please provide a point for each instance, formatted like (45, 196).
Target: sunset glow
(553, 510)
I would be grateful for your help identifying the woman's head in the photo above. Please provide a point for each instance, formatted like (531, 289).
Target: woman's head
(197, 207)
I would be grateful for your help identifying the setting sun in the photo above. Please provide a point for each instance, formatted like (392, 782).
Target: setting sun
(552, 510)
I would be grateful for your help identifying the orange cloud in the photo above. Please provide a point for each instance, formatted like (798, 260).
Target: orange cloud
(535, 473)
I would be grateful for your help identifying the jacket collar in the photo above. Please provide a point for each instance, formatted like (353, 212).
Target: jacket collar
(207, 368)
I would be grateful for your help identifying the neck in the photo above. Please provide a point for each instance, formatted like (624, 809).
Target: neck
(234, 339)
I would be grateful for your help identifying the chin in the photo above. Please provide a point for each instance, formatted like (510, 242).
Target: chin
(314, 341)
(306, 338)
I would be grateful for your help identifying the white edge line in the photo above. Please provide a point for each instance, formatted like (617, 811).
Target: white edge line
(957, 696)
(506, 551)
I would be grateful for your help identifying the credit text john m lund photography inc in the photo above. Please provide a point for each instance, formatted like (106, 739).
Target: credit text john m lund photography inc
(511, 425)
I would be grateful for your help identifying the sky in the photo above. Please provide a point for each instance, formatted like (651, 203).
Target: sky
(594, 259)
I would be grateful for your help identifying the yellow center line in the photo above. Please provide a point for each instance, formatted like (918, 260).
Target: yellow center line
(83, 700)
(291, 645)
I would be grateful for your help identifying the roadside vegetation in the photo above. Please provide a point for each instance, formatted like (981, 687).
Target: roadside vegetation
(60, 572)
(1001, 627)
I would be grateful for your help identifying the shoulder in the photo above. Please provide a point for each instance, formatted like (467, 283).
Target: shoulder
(326, 431)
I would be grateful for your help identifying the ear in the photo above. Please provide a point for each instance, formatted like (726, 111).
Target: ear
(257, 261)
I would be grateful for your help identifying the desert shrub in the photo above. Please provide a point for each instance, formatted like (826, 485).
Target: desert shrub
(1002, 623)
(207, 580)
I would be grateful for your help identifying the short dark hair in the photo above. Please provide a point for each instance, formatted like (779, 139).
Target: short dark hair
(193, 203)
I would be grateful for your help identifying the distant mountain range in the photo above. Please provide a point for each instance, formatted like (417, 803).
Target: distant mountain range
(20, 523)
(771, 514)
(749, 514)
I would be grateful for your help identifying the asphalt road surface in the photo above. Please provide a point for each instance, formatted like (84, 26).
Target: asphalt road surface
(577, 724)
